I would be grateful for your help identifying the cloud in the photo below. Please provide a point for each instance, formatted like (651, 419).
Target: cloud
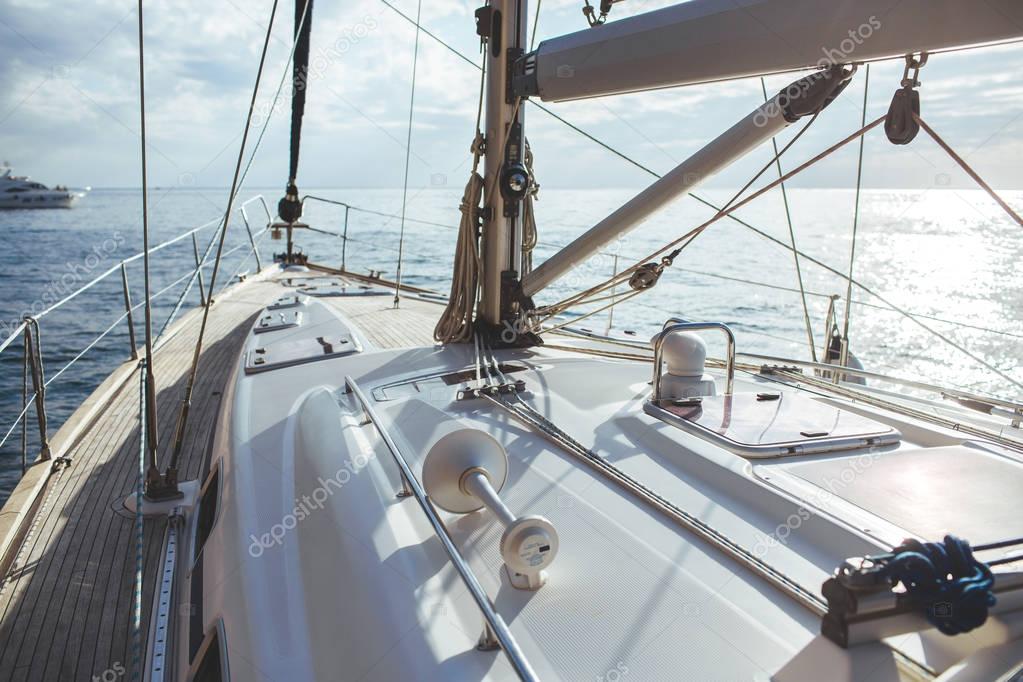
(69, 104)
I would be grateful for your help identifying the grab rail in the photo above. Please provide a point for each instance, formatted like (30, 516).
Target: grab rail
(675, 324)
(497, 627)
(28, 328)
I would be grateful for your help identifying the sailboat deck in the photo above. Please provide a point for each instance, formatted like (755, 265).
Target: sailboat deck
(66, 598)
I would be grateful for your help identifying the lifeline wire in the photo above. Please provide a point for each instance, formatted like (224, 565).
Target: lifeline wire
(792, 236)
(844, 359)
(152, 432)
(179, 434)
(408, 154)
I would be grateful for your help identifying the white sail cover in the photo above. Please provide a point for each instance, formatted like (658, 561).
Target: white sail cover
(711, 40)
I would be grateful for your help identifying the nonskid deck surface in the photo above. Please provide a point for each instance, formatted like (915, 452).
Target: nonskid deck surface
(66, 601)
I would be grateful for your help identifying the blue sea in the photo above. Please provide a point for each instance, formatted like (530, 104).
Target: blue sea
(949, 257)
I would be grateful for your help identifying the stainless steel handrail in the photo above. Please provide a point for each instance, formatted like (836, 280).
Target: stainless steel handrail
(493, 619)
(887, 378)
(909, 383)
(675, 324)
(22, 330)
(99, 278)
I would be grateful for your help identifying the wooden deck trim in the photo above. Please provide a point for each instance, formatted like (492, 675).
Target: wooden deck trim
(20, 507)
(65, 597)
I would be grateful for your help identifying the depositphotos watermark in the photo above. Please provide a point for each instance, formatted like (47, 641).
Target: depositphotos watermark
(614, 674)
(846, 48)
(833, 56)
(59, 287)
(111, 674)
(307, 504)
(832, 485)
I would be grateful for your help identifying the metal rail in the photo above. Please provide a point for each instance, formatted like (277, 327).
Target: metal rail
(909, 383)
(28, 330)
(528, 415)
(676, 324)
(615, 255)
(945, 392)
(497, 627)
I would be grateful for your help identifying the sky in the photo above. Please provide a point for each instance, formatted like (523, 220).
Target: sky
(69, 102)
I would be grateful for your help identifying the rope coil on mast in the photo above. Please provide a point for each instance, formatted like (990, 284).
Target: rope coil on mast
(456, 322)
(529, 233)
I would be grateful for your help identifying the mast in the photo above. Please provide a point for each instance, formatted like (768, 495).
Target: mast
(503, 22)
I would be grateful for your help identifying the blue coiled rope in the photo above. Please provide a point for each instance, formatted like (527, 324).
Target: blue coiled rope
(946, 580)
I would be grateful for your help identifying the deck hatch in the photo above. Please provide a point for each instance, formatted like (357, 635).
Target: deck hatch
(290, 352)
(273, 321)
(927, 492)
(286, 302)
(337, 289)
(789, 424)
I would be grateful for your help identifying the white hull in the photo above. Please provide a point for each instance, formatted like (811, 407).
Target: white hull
(22, 192)
(41, 200)
(314, 569)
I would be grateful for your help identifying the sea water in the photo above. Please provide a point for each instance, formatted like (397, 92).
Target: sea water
(949, 258)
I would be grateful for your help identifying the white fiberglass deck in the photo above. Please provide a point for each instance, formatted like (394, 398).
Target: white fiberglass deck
(314, 569)
(320, 571)
(65, 600)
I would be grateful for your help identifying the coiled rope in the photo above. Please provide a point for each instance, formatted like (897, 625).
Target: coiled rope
(944, 579)
(529, 233)
(455, 323)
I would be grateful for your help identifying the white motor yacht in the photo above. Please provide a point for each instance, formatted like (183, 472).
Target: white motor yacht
(20, 191)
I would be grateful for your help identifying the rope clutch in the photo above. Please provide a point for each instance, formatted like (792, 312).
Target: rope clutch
(942, 581)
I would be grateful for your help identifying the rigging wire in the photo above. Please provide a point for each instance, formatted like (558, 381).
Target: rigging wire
(136, 616)
(792, 237)
(577, 129)
(259, 140)
(844, 358)
(179, 435)
(730, 214)
(734, 207)
(408, 155)
(969, 170)
(536, 23)
(152, 433)
(685, 240)
(300, 81)
(146, 381)
(702, 273)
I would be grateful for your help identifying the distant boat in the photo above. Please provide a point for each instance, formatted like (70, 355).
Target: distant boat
(18, 191)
